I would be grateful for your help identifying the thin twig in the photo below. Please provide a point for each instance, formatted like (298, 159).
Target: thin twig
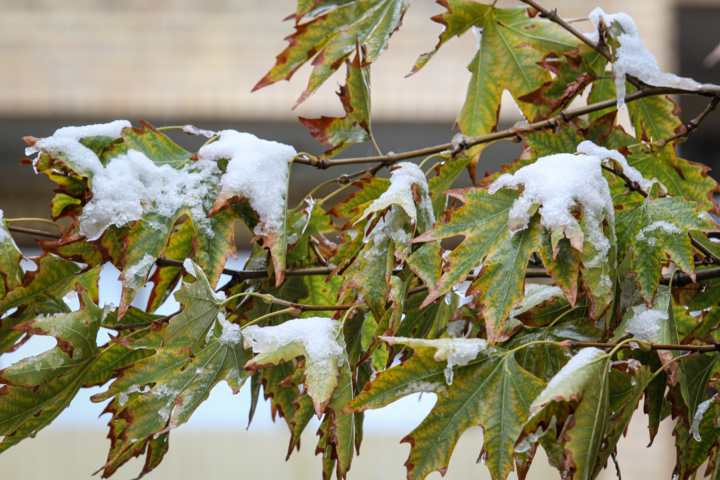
(32, 231)
(688, 348)
(553, 122)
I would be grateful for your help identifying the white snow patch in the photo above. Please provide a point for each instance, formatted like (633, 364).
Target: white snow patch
(320, 337)
(4, 234)
(645, 323)
(230, 332)
(402, 178)
(633, 59)
(531, 438)
(132, 185)
(135, 274)
(422, 386)
(478, 35)
(258, 170)
(66, 141)
(460, 351)
(702, 408)
(589, 148)
(393, 225)
(557, 183)
(666, 227)
(193, 130)
(572, 369)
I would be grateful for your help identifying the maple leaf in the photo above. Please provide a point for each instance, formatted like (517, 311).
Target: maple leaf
(317, 339)
(159, 393)
(332, 36)
(201, 307)
(511, 49)
(656, 226)
(37, 389)
(490, 389)
(341, 132)
(10, 257)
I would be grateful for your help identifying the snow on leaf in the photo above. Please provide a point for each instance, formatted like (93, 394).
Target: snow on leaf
(201, 306)
(318, 339)
(10, 256)
(657, 226)
(333, 35)
(258, 171)
(408, 186)
(581, 387)
(456, 351)
(491, 391)
(632, 59)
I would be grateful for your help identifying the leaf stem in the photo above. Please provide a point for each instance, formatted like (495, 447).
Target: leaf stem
(35, 220)
(32, 231)
(174, 127)
(539, 342)
(290, 310)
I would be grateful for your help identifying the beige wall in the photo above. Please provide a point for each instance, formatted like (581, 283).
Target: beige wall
(73, 454)
(199, 60)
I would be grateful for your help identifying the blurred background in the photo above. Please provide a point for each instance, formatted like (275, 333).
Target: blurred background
(77, 62)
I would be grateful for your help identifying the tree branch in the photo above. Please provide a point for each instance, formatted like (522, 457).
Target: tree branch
(688, 348)
(553, 122)
(32, 231)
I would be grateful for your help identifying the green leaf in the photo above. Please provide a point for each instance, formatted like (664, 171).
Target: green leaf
(201, 306)
(317, 339)
(10, 257)
(154, 144)
(37, 389)
(657, 226)
(512, 47)
(340, 132)
(178, 384)
(147, 241)
(445, 174)
(582, 388)
(655, 117)
(164, 279)
(491, 390)
(60, 204)
(52, 274)
(333, 35)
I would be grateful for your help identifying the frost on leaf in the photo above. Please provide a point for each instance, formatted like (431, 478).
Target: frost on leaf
(258, 171)
(535, 294)
(632, 59)
(456, 351)
(318, 339)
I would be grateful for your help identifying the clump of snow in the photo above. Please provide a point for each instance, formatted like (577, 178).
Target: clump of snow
(572, 369)
(230, 332)
(66, 141)
(132, 185)
(633, 59)
(4, 234)
(258, 170)
(199, 371)
(460, 352)
(557, 183)
(645, 323)
(666, 227)
(456, 329)
(320, 337)
(589, 148)
(535, 294)
(702, 408)
(192, 130)
(135, 274)
(478, 35)
(393, 225)
(402, 178)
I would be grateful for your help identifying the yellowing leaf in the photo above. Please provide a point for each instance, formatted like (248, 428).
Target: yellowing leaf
(512, 46)
(657, 226)
(318, 339)
(490, 390)
(339, 133)
(333, 36)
